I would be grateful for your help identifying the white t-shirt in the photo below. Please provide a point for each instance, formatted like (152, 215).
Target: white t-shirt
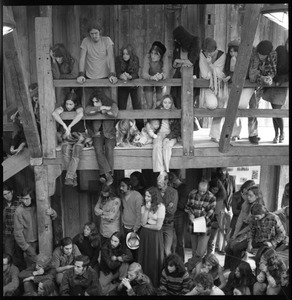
(96, 61)
(152, 217)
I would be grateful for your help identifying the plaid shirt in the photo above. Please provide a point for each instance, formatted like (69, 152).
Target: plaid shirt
(203, 206)
(268, 229)
(8, 217)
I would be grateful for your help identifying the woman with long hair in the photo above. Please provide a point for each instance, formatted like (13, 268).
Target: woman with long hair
(210, 264)
(151, 248)
(114, 262)
(89, 243)
(174, 279)
(242, 276)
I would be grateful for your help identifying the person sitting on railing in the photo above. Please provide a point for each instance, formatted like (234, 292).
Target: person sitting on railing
(155, 68)
(229, 68)
(186, 53)
(167, 136)
(97, 57)
(278, 96)
(127, 67)
(262, 70)
(104, 136)
(74, 135)
(211, 65)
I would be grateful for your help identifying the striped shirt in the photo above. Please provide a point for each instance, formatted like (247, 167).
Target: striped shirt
(174, 285)
(268, 229)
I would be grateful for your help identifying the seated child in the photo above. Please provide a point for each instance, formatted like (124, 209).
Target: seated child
(260, 287)
(148, 132)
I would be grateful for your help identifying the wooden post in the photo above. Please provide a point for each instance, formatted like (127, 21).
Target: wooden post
(244, 53)
(22, 98)
(187, 106)
(47, 98)
(45, 231)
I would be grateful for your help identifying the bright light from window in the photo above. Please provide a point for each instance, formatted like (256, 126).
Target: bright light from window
(280, 18)
(7, 29)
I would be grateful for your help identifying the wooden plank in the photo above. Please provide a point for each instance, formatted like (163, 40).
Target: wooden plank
(45, 83)
(198, 112)
(187, 121)
(244, 52)
(10, 109)
(43, 201)
(15, 163)
(197, 83)
(8, 126)
(22, 97)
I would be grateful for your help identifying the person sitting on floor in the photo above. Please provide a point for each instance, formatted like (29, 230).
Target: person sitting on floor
(135, 284)
(205, 286)
(10, 277)
(174, 279)
(81, 280)
(42, 270)
(64, 257)
(114, 262)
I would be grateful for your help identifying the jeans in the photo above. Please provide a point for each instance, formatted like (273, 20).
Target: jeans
(199, 244)
(162, 150)
(167, 230)
(233, 254)
(216, 232)
(104, 151)
(149, 91)
(180, 225)
(71, 161)
(31, 258)
(253, 121)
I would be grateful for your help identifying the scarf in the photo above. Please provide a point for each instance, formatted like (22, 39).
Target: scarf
(215, 74)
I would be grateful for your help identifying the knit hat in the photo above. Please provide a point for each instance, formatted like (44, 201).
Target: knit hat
(159, 47)
(209, 45)
(234, 43)
(265, 47)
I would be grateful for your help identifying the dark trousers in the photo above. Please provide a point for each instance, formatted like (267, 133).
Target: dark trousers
(180, 225)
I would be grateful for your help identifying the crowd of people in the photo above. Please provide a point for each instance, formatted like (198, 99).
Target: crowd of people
(138, 248)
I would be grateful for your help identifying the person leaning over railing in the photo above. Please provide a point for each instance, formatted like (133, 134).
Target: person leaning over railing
(155, 67)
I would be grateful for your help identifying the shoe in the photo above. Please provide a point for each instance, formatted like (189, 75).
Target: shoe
(102, 179)
(275, 140)
(254, 140)
(281, 138)
(69, 181)
(109, 179)
(214, 140)
(75, 181)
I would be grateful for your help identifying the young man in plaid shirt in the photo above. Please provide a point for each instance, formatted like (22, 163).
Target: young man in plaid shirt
(10, 203)
(201, 202)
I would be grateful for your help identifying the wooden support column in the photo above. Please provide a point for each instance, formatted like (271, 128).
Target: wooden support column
(47, 98)
(250, 24)
(19, 84)
(45, 231)
(187, 106)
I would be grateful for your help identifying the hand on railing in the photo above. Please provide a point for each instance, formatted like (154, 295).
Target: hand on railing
(81, 79)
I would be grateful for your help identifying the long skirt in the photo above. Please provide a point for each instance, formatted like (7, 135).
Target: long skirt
(151, 254)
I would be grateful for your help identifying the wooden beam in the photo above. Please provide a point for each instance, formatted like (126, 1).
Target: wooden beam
(15, 164)
(249, 28)
(10, 109)
(46, 90)
(187, 104)
(8, 127)
(197, 83)
(45, 231)
(22, 97)
(177, 114)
